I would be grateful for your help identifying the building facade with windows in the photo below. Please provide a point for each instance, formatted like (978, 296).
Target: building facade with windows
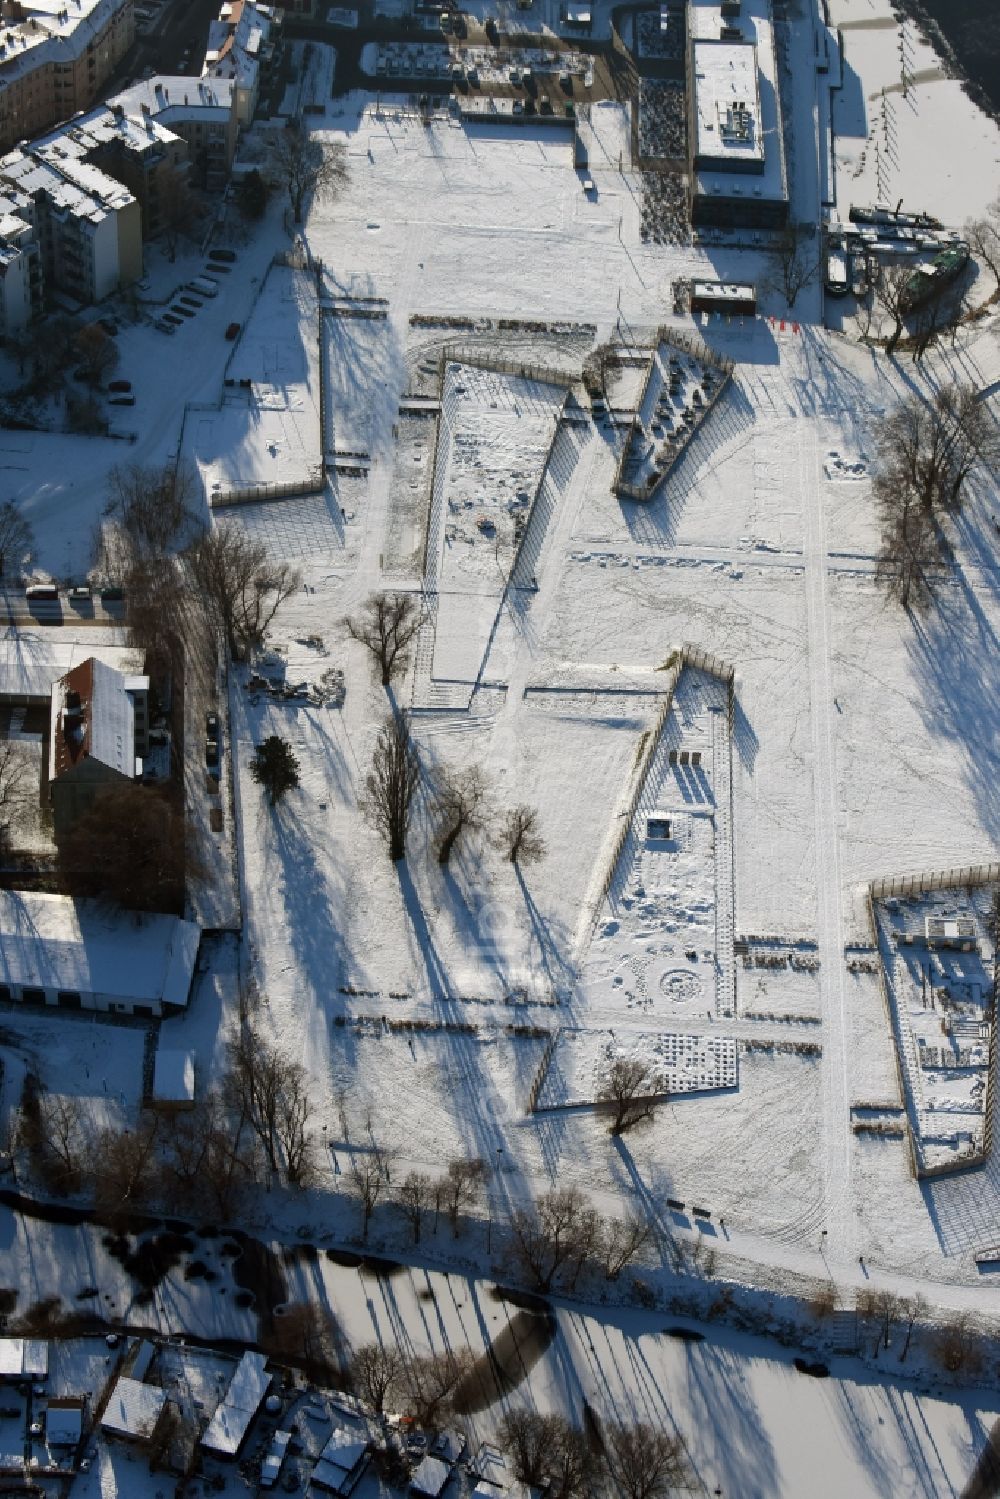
(55, 58)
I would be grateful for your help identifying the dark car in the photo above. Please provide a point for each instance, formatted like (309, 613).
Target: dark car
(211, 753)
(112, 595)
(183, 311)
(171, 321)
(120, 385)
(212, 725)
(162, 326)
(227, 255)
(232, 331)
(218, 267)
(190, 302)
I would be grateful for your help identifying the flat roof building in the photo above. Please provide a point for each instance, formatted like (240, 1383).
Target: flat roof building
(736, 155)
(77, 954)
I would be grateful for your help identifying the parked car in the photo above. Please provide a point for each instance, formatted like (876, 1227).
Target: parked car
(190, 302)
(113, 594)
(119, 385)
(162, 326)
(212, 725)
(172, 320)
(211, 753)
(218, 267)
(176, 307)
(126, 399)
(232, 331)
(227, 255)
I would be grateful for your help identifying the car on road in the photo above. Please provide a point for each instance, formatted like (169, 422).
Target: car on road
(232, 331)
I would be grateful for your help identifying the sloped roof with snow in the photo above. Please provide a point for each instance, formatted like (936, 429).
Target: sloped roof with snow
(134, 1409)
(240, 1404)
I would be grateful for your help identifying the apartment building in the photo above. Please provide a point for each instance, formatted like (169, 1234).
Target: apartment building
(88, 225)
(240, 40)
(200, 111)
(55, 57)
(20, 264)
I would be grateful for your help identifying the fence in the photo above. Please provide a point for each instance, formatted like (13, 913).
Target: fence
(696, 349)
(685, 656)
(968, 877)
(523, 368)
(972, 875)
(538, 1080)
(252, 494)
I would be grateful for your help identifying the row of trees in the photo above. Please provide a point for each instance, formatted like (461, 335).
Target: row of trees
(927, 449)
(613, 1461)
(458, 801)
(252, 1127)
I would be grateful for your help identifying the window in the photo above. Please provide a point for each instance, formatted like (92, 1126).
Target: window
(33, 996)
(143, 1010)
(69, 999)
(4, 991)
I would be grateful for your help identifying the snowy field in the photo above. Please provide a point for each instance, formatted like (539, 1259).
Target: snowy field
(858, 746)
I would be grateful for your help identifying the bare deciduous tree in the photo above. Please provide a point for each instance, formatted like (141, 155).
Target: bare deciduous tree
(392, 783)
(153, 507)
(955, 1346)
(796, 261)
(889, 293)
(519, 837)
(458, 805)
(928, 448)
(909, 553)
(880, 1305)
(207, 1156)
(368, 1178)
(128, 1165)
(553, 1242)
(386, 624)
(17, 538)
(97, 352)
(429, 1383)
(65, 1141)
(270, 1091)
(16, 787)
(622, 1239)
(629, 1087)
(983, 238)
(416, 1195)
(239, 587)
(128, 847)
(643, 1462)
(462, 1188)
(547, 1452)
(913, 1309)
(375, 1372)
(306, 165)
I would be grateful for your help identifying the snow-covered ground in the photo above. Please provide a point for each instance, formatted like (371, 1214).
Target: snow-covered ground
(860, 745)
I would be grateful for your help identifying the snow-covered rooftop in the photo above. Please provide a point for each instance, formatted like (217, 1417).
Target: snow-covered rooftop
(173, 1076)
(54, 942)
(23, 1358)
(134, 1409)
(738, 144)
(240, 1404)
(30, 663)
